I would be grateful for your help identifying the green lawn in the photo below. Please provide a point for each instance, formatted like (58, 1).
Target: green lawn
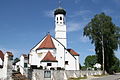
(100, 75)
(77, 78)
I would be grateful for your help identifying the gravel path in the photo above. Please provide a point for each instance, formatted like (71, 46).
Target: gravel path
(109, 77)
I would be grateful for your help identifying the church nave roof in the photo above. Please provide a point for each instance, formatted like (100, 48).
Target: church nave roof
(47, 43)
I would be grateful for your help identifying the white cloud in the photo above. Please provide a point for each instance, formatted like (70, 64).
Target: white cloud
(84, 39)
(82, 13)
(91, 50)
(49, 13)
(73, 26)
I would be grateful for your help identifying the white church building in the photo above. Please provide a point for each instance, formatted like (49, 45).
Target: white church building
(51, 52)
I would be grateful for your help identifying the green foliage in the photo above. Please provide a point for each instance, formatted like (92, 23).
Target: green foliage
(90, 61)
(83, 68)
(116, 66)
(103, 33)
(16, 60)
(79, 78)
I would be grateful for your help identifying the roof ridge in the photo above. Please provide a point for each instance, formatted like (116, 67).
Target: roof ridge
(47, 43)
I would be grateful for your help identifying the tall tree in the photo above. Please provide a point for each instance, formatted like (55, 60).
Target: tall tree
(105, 36)
(90, 61)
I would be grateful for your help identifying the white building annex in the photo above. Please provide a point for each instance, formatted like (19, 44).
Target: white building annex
(51, 52)
(1, 59)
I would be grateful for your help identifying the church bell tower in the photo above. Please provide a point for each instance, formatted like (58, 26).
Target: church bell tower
(60, 26)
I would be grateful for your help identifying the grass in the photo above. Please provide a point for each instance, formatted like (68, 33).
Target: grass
(77, 78)
(100, 75)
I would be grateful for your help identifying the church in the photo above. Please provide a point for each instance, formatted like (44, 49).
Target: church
(51, 52)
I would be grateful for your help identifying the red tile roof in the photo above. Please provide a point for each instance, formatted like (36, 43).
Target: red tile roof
(49, 58)
(73, 52)
(47, 43)
(25, 56)
(9, 53)
(1, 55)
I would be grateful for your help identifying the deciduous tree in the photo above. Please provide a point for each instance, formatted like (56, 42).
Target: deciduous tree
(105, 35)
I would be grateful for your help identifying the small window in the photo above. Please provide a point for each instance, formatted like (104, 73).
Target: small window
(49, 64)
(57, 18)
(47, 74)
(25, 65)
(66, 62)
(10, 57)
(60, 18)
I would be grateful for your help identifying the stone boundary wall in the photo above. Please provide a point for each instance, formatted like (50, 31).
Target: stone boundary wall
(59, 74)
(1, 74)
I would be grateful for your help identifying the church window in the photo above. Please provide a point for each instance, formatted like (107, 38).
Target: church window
(60, 18)
(49, 64)
(66, 62)
(57, 18)
(10, 57)
(25, 65)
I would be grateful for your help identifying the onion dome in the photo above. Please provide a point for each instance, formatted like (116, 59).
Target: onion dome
(60, 11)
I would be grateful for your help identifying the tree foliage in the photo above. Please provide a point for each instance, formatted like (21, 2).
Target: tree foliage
(90, 61)
(101, 29)
(116, 66)
(16, 60)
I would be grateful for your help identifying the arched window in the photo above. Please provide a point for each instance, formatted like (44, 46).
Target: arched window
(60, 18)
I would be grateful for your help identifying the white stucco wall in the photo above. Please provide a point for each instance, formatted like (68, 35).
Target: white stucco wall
(22, 68)
(60, 53)
(17, 64)
(77, 62)
(3, 71)
(44, 64)
(71, 61)
(1, 62)
(60, 29)
(33, 58)
(5, 64)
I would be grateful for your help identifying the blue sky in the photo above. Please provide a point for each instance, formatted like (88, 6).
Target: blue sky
(23, 23)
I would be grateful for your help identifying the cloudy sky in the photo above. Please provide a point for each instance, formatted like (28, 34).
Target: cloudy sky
(23, 23)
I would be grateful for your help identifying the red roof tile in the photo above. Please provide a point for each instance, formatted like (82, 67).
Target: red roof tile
(9, 53)
(25, 56)
(47, 43)
(73, 52)
(49, 57)
(1, 55)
